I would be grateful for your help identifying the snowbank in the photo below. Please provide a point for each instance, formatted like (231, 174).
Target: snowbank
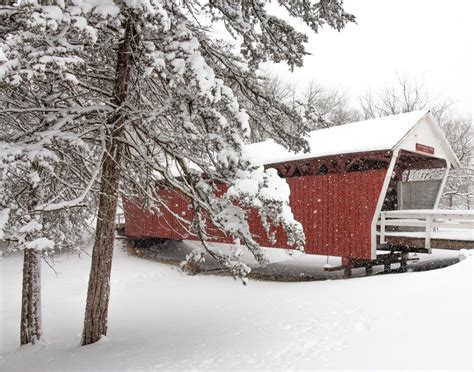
(162, 319)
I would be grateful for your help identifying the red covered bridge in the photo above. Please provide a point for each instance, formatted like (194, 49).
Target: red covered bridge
(352, 173)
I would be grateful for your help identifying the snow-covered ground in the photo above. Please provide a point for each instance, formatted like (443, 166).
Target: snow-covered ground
(162, 319)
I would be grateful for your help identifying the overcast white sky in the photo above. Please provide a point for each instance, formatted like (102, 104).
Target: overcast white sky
(426, 40)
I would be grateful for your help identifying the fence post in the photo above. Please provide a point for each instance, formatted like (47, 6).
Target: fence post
(382, 228)
(428, 234)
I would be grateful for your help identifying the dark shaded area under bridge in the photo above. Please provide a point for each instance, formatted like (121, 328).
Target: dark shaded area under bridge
(283, 266)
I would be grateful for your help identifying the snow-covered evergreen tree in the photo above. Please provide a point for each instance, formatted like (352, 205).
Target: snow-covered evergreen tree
(48, 163)
(164, 90)
(186, 127)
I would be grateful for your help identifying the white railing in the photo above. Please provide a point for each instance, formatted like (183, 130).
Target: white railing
(427, 224)
(119, 219)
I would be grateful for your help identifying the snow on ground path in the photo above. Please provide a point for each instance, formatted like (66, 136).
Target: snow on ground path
(160, 318)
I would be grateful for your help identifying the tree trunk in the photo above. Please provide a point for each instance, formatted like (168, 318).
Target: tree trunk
(95, 321)
(30, 327)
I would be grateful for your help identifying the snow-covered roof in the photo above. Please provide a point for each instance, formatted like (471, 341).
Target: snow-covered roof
(369, 135)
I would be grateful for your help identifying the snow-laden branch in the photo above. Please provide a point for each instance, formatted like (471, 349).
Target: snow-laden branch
(76, 201)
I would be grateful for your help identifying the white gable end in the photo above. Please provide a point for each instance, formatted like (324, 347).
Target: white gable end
(426, 138)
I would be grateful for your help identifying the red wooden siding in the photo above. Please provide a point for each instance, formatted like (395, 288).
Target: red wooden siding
(144, 223)
(336, 212)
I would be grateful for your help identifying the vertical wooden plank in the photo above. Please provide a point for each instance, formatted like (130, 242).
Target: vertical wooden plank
(382, 227)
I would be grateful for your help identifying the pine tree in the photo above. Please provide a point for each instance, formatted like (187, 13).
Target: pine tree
(165, 91)
(180, 124)
(47, 159)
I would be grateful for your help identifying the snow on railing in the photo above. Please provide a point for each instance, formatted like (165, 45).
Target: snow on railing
(425, 224)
